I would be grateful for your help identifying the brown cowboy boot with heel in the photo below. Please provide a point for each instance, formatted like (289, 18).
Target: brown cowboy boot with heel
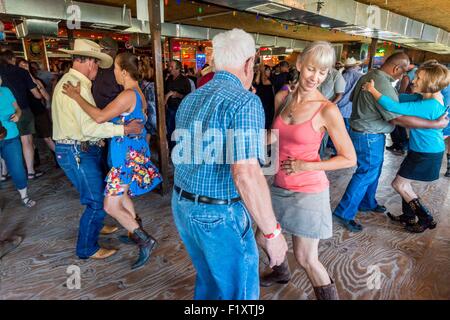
(280, 274)
(327, 292)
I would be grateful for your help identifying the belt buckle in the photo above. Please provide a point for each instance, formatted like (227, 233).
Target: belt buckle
(84, 146)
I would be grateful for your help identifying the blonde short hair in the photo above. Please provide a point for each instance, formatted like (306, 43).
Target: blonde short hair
(320, 53)
(435, 77)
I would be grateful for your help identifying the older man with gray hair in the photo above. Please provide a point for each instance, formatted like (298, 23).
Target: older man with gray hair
(215, 198)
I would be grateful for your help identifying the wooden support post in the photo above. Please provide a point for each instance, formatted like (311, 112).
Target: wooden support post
(155, 33)
(372, 52)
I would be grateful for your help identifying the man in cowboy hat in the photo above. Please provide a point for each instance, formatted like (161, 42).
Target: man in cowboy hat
(79, 145)
(351, 76)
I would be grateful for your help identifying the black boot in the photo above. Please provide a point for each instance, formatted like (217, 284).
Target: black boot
(447, 174)
(146, 245)
(426, 220)
(328, 292)
(280, 274)
(408, 217)
(128, 238)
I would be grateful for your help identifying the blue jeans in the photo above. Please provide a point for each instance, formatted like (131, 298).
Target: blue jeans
(11, 152)
(361, 191)
(222, 246)
(88, 179)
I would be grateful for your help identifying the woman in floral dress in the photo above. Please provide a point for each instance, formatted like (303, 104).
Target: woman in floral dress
(132, 173)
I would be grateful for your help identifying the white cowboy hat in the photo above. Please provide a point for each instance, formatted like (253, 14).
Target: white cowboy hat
(351, 62)
(88, 48)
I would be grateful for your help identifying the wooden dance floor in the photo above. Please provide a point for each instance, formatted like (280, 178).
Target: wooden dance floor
(410, 266)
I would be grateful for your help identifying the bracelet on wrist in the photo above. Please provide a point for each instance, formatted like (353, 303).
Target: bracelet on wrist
(274, 234)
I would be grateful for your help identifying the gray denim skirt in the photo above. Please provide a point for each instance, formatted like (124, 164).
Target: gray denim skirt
(306, 215)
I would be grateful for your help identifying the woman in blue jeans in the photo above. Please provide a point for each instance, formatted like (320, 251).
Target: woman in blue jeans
(10, 146)
(426, 147)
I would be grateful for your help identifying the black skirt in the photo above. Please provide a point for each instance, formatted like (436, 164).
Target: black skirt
(421, 166)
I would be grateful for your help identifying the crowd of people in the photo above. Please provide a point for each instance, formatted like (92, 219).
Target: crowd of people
(319, 117)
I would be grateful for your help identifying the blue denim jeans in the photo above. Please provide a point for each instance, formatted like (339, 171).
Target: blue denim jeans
(361, 191)
(88, 179)
(11, 152)
(222, 246)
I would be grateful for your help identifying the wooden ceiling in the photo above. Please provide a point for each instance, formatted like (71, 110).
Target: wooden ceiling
(433, 12)
(188, 13)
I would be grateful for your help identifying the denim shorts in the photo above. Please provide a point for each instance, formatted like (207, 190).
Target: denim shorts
(306, 215)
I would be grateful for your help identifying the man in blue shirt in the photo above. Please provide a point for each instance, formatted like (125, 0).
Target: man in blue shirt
(351, 76)
(219, 184)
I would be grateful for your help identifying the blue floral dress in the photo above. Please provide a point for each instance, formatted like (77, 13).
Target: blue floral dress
(130, 157)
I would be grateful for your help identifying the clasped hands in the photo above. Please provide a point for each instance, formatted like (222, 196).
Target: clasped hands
(293, 166)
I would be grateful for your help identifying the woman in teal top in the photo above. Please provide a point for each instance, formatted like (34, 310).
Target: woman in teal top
(427, 146)
(10, 145)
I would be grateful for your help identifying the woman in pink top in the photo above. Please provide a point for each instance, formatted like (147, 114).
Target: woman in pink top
(300, 194)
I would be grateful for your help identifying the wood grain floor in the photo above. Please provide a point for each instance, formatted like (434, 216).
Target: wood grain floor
(411, 266)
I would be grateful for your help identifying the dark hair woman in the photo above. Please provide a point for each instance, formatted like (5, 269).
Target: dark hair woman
(132, 172)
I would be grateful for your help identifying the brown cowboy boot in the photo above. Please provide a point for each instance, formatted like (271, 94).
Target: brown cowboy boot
(328, 292)
(281, 274)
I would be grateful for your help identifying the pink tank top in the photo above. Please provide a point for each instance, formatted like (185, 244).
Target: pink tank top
(300, 141)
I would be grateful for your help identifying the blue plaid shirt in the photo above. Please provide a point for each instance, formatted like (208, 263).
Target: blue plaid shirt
(351, 77)
(205, 121)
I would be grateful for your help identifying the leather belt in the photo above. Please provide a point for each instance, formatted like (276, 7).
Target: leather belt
(190, 196)
(99, 143)
(359, 131)
(84, 145)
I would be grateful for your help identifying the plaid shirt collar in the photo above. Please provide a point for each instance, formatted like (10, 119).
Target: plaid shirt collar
(227, 76)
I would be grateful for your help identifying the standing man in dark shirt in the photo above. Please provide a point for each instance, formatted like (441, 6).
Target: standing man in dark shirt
(20, 83)
(105, 87)
(176, 88)
(280, 80)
